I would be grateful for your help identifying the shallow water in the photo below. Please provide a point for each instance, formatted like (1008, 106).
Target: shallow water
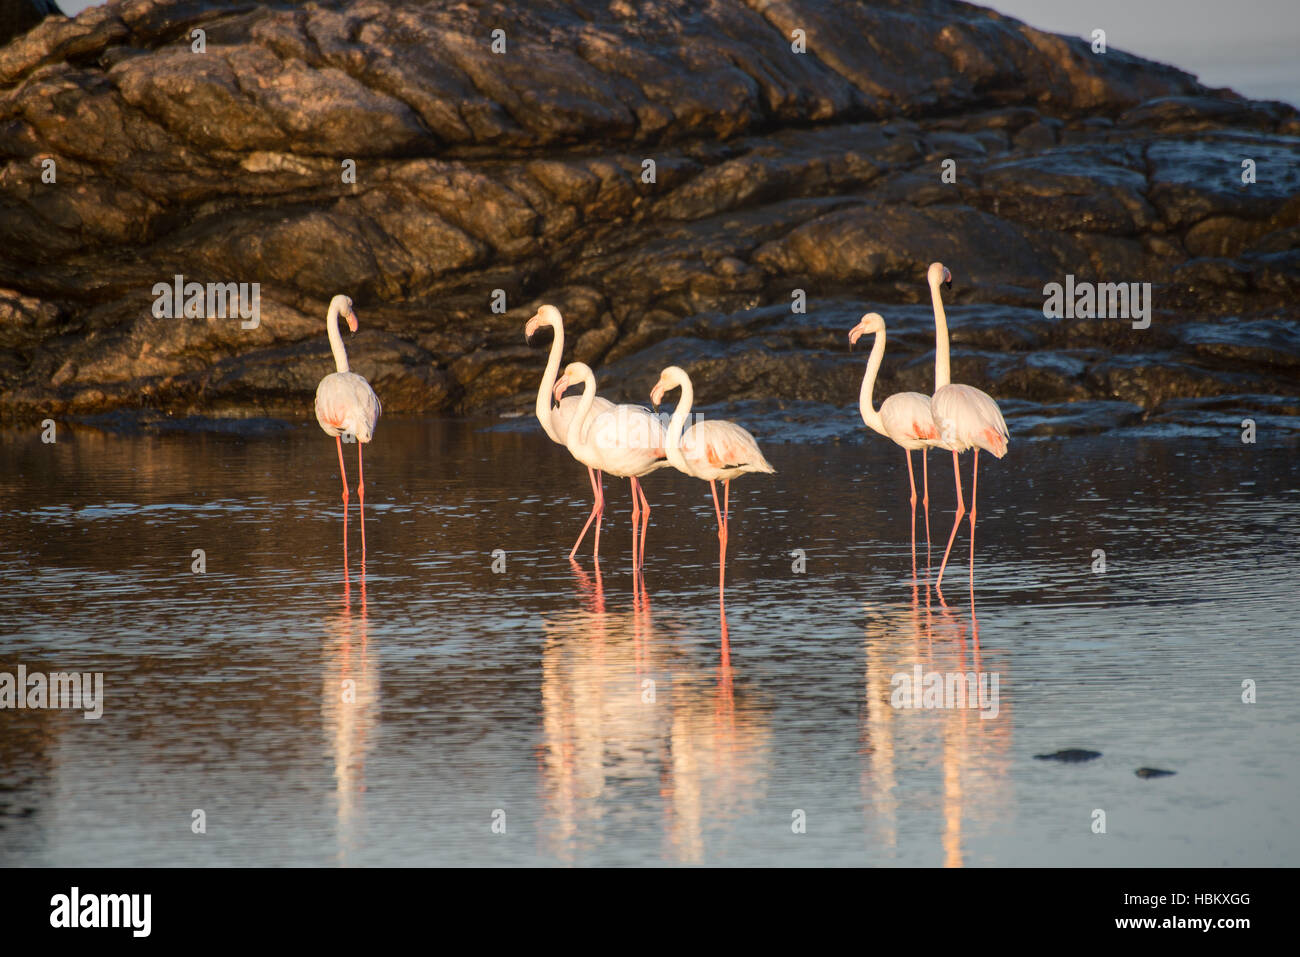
(525, 691)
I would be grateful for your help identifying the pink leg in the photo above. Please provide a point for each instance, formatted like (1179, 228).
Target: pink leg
(722, 537)
(645, 519)
(600, 513)
(925, 473)
(911, 479)
(344, 473)
(974, 479)
(595, 510)
(361, 500)
(961, 510)
(636, 521)
(726, 528)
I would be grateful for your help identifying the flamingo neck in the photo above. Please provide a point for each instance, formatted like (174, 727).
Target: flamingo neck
(869, 415)
(942, 376)
(673, 445)
(578, 424)
(336, 340)
(548, 383)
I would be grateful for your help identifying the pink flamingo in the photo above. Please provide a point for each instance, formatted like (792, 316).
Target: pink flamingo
(345, 403)
(967, 418)
(555, 421)
(904, 418)
(711, 450)
(624, 440)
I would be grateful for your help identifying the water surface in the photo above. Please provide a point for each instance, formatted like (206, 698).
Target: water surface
(605, 720)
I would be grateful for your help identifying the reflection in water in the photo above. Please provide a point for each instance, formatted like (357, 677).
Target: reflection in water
(349, 710)
(968, 746)
(629, 722)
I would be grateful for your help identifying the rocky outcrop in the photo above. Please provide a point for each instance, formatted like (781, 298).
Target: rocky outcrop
(130, 157)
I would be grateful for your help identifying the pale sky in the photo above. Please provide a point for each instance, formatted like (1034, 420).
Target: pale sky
(1249, 45)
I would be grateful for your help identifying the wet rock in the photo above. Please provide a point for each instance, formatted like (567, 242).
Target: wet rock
(127, 158)
(1153, 773)
(1070, 755)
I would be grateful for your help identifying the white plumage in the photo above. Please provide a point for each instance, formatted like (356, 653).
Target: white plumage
(968, 418)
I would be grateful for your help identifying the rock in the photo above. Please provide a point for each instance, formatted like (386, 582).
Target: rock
(19, 16)
(1070, 755)
(668, 174)
(1153, 773)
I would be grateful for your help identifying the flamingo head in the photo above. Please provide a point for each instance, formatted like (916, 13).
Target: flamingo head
(342, 306)
(670, 378)
(573, 372)
(938, 273)
(545, 316)
(870, 324)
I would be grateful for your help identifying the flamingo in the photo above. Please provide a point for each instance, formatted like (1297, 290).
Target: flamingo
(711, 450)
(624, 440)
(967, 418)
(346, 403)
(555, 421)
(904, 418)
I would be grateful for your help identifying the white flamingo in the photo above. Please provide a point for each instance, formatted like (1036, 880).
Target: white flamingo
(903, 418)
(345, 403)
(967, 418)
(624, 440)
(710, 450)
(555, 421)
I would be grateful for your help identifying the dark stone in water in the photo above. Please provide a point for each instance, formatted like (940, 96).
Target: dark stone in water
(1153, 773)
(522, 172)
(1070, 755)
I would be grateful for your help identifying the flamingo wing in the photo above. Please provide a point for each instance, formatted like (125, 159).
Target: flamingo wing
(723, 447)
(969, 418)
(908, 418)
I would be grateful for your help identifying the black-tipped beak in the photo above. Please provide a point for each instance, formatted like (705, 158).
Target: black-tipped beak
(947, 283)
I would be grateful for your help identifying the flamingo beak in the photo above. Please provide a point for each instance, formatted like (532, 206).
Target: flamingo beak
(657, 395)
(854, 335)
(561, 384)
(531, 328)
(352, 321)
(947, 278)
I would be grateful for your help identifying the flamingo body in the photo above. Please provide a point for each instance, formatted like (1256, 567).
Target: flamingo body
(346, 403)
(970, 419)
(908, 420)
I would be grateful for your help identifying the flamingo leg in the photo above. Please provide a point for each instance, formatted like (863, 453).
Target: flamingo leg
(974, 479)
(361, 500)
(645, 519)
(636, 521)
(726, 533)
(911, 479)
(961, 510)
(595, 508)
(600, 513)
(925, 474)
(344, 473)
(722, 537)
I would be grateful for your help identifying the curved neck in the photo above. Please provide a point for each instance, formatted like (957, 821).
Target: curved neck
(869, 415)
(941, 373)
(673, 446)
(548, 382)
(336, 340)
(578, 424)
